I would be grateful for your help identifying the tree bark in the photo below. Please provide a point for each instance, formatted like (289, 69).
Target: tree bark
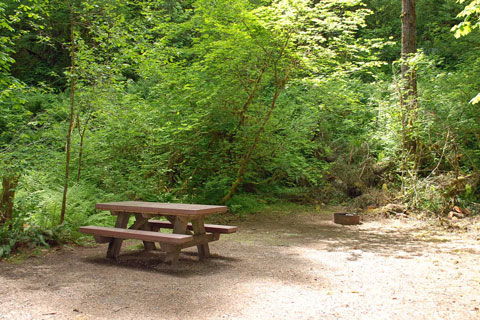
(252, 94)
(243, 165)
(9, 184)
(81, 133)
(72, 111)
(409, 32)
(409, 101)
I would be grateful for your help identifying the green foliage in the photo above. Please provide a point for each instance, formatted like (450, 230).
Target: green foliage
(38, 203)
(434, 22)
(470, 14)
(173, 97)
(446, 131)
(247, 204)
(13, 237)
(170, 97)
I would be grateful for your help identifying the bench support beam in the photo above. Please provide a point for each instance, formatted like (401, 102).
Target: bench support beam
(173, 252)
(203, 248)
(143, 225)
(116, 243)
(102, 239)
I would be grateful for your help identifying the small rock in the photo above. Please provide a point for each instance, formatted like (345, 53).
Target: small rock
(454, 214)
(394, 209)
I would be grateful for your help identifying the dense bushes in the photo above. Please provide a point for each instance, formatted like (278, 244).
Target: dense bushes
(197, 102)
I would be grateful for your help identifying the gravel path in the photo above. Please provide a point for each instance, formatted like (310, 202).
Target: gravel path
(303, 267)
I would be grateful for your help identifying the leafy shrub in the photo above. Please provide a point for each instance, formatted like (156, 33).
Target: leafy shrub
(13, 237)
(241, 204)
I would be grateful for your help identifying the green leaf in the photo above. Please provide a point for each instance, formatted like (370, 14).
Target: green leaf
(476, 99)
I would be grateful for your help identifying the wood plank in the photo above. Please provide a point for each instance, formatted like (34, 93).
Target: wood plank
(204, 238)
(139, 222)
(115, 244)
(180, 225)
(172, 220)
(199, 230)
(102, 239)
(120, 233)
(144, 225)
(214, 228)
(179, 228)
(173, 251)
(161, 208)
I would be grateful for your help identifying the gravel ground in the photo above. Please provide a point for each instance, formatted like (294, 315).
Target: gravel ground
(278, 266)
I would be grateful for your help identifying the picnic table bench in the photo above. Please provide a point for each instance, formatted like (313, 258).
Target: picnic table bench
(186, 221)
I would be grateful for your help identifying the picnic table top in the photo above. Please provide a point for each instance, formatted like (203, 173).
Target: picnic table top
(161, 208)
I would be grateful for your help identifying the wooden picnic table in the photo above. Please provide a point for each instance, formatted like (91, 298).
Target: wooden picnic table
(186, 220)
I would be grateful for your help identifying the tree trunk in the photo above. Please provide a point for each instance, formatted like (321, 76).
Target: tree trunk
(81, 133)
(243, 165)
(80, 155)
(252, 94)
(409, 79)
(72, 111)
(409, 31)
(9, 184)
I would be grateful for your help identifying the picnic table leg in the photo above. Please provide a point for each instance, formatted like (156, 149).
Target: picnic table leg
(198, 229)
(173, 252)
(172, 220)
(115, 244)
(141, 223)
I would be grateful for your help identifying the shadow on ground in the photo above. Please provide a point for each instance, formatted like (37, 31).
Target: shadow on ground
(290, 254)
(154, 262)
(319, 231)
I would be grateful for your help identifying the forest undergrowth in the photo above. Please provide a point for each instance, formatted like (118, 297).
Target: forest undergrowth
(249, 104)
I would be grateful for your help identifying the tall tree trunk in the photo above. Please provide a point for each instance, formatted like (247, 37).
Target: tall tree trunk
(409, 78)
(409, 31)
(81, 133)
(9, 184)
(253, 91)
(72, 111)
(246, 159)
(80, 154)
(279, 86)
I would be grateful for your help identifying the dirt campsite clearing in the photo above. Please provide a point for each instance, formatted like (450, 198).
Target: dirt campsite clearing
(277, 266)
